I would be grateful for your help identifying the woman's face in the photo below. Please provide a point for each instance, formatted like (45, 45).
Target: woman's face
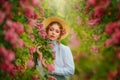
(54, 32)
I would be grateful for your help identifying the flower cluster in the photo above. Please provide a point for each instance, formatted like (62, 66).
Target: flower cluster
(12, 30)
(99, 10)
(103, 8)
(63, 32)
(41, 30)
(6, 59)
(113, 30)
(17, 20)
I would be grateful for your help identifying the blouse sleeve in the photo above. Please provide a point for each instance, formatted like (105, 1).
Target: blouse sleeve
(68, 68)
(40, 68)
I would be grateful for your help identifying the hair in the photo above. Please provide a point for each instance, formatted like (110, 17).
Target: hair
(60, 26)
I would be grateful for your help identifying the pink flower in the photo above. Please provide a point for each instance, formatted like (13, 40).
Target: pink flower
(95, 37)
(20, 43)
(8, 68)
(10, 23)
(2, 16)
(36, 2)
(104, 3)
(6, 27)
(23, 2)
(93, 21)
(20, 68)
(39, 26)
(16, 26)
(94, 49)
(63, 32)
(30, 63)
(51, 67)
(108, 42)
(2, 2)
(32, 50)
(7, 7)
(79, 20)
(52, 78)
(112, 75)
(10, 57)
(6, 55)
(35, 16)
(32, 22)
(32, 37)
(99, 9)
(118, 54)
(11, 36)
(98, 12)
(29, 11)
(3, 52)
(41, 10)
(31, 57)
(109, 28)
(116, 38)
(43, 33)
(51, 45)
(74, 41)
(90, 3)
(108, 31)
(19, 28)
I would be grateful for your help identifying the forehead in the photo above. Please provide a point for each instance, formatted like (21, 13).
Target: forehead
(55, 26)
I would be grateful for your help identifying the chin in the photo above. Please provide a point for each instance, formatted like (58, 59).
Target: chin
(52, 39)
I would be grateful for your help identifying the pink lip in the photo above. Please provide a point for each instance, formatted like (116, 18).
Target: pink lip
(52, 36)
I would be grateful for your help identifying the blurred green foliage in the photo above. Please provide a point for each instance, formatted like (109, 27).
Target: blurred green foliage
(90, 65)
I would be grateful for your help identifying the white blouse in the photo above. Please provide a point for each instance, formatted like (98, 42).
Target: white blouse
(64, 64)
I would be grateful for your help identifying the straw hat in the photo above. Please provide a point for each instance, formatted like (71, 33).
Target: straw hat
(49, 20)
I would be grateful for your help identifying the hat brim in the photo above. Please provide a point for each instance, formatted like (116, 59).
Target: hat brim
(49, 20)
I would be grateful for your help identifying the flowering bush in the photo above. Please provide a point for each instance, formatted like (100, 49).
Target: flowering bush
(93, 38)
(106, 11)
(20, 29)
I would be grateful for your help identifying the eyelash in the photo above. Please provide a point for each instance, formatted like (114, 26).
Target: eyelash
(52, 30)
(57, 32)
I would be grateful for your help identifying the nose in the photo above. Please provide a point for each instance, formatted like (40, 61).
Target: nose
(53, 32)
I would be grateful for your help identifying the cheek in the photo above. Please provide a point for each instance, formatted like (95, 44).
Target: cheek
(58, 35)
(49, 32)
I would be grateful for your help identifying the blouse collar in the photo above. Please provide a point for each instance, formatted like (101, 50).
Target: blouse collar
(54, 42)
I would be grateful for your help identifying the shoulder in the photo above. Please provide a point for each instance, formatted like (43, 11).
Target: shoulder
(66, 51)
(64, 47)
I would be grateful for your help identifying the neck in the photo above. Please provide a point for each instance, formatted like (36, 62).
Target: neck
(53, 41)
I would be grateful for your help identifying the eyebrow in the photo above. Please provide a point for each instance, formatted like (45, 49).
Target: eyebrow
(53, 28)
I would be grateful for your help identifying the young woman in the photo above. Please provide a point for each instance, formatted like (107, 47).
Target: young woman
(56, 30)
